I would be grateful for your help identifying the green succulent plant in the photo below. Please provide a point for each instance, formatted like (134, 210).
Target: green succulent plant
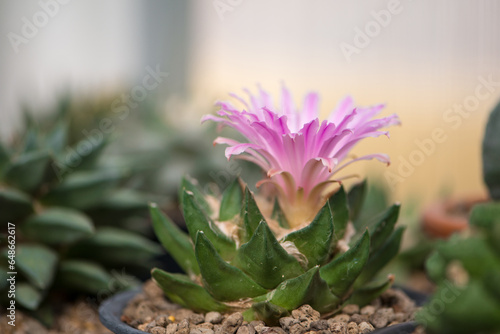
(467, 270)
(235, 258)
(60, 210)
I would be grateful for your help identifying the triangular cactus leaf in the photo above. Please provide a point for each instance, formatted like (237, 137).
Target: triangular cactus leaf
(267, 312)
(343, 271)
(19, 204)
(193, 296)
(58, 226)
(340, 211)
(308, 288)
(369, 292)
(175, 241)
(265, 261)
(28, 296)
(197, 220)
(435, 266)
(56, 139)
(190, 185)
(381, 257)
(314, 240)
(382, 225)
(38, 264)
(222, 280)
(83, 276)
(279, 216)
(26, 172)
(96, 147)
(231, 202)
(355, 197)
(250, 215)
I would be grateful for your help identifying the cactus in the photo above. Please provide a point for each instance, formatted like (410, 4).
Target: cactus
(55, 196)
(467, 270)
(238, 257)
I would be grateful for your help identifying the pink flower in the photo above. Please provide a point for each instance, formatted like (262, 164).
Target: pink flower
(299, 153)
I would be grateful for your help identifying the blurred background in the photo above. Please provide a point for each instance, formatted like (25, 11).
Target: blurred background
(434, 63)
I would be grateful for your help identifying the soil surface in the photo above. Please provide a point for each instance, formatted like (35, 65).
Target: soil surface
(150, 312)
(77, 318)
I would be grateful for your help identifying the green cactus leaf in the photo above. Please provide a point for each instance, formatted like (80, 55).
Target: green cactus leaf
(19, 204)
(436, 267)
(279, 216)
(56, 139)
(308, 288)
(485, 215)
(58, 226)
(93, 152)
(30, 139)
(232, 199)
(82, 190)
(26, 171)
(467, 310)
(175, 241)
(124, 200)
(267, 312)
(37, 263)
(381, 257)
(342, 271)
(382, 226)
(191, 185)
(28, 296)
(490, 282)
(222, 280)
(84, 276)
(491, 152)
(251, 216)
(315, 239)
(115, 246)
(355, 199)
(265, 261)
(193, 296)
(369, 292)
(197, 220)
(340, 211)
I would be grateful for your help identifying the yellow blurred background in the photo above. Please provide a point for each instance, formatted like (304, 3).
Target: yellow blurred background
(434, 63)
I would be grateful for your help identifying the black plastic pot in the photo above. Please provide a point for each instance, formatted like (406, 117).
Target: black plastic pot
(111, 310)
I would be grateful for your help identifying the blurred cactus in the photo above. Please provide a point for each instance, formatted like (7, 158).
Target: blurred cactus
(241, 256)
(54, 190)
(467, 270)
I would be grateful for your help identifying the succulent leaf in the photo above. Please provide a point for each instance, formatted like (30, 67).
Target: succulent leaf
(83, 276)
(197, 220)
(224, 281)
(308, 288)
(38, 264)
(265, 261)
(26, 171)
(58, 226)
(232, 198)
(436, 267)
(381, 257)
(367, 293)
(190, 185)
(19, 204)
(321, 231)
(279, 216)
(485, 215)
(267, 311)
(28, 296)
(491, 152)
(193, 295)
(82, 190)
(250, 215)
(382, 226)
(175, 241)
(340, 211)
(56, 139)
(355, 198)
(342, 271)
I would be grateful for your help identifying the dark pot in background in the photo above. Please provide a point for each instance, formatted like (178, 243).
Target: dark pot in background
(111, 310)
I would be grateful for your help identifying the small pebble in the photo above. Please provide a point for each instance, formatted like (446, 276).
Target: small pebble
(341, 318)
(381, 317)
(158, 330)
(273, 330)
(162, 321)
(200, 330)
(352, 328)
(365, 327)
(351, 309)
(171, 328)
(231, 324)
(359, 318)
(246, 329)
(367, 310)
(196, 318)
(213, 317)
(319, 325)
(337, 327)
